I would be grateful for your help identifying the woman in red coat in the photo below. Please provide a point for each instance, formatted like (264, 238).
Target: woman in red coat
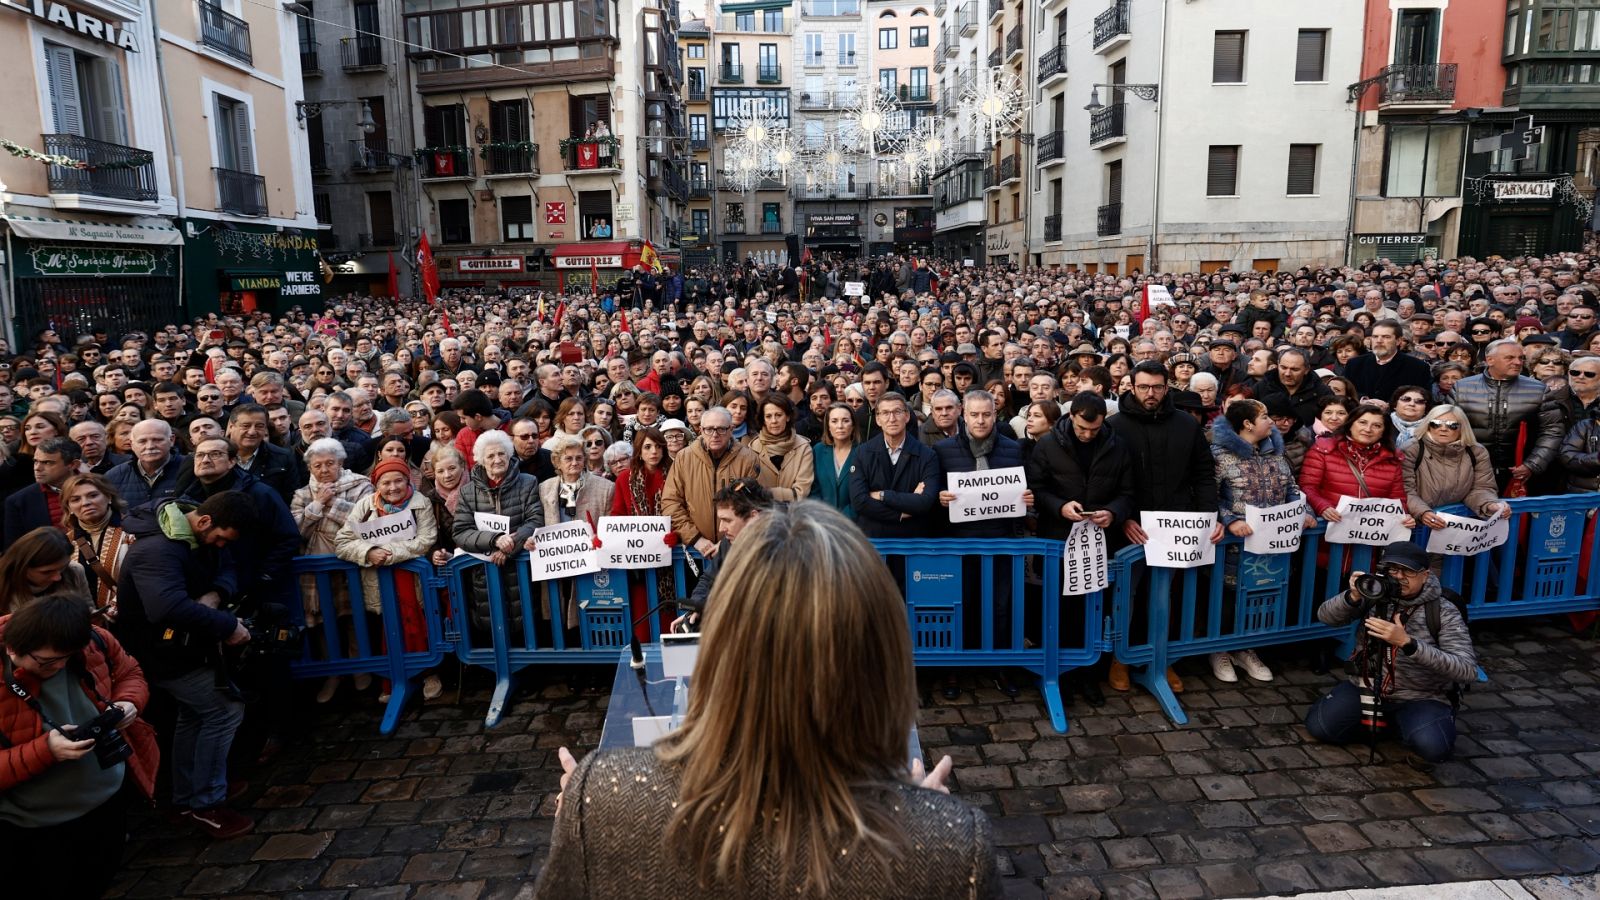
(638, 493)
(1356, 461)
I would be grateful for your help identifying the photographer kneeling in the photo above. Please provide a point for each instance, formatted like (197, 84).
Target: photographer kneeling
(1412, 649)
(66, 743)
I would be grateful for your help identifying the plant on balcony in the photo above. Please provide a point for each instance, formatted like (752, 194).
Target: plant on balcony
(422, 153)
(568, 143)
(136, 158)
(511, 146)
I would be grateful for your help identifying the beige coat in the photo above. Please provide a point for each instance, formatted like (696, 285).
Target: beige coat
(694, 480)
(1448, 474)
(793, 481)
(594, 501)
(351, 548)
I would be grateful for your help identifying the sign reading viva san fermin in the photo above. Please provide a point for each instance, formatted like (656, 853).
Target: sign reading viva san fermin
(117, 34)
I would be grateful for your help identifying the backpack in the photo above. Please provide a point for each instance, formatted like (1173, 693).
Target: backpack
(1434, 618)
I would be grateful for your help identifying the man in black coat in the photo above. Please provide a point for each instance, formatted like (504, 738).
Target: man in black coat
(39, 505)
(895, 482)
(1378, 374)
(271, 465)
(1293, 380)
(1081, 470)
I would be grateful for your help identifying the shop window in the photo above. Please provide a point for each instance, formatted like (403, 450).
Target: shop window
(1423, 161)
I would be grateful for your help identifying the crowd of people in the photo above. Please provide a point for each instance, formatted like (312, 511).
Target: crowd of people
(167, 478)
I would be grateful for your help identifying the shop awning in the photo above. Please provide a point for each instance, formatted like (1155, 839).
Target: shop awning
(146, 231)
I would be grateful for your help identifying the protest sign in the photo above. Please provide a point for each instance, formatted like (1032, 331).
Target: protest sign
(990, 494)
(1374, 521)
(563, 550)
(1462, 536)
(1084, 567)
(855, 288)
(393, 529)
(491, 522)
(1157, 295)
(1179, 540)
(1274, 529)
(634, 542)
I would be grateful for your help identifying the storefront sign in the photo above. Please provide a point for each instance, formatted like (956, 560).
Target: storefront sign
(489, 264)
(1391, 239)
(1524, 190)
(255, 283)
(117, 34)
(56, 259)
(833, 219)
(148, 232)
(584, 262)
(300, 284)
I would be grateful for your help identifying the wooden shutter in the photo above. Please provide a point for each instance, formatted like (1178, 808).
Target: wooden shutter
(108, 91)
(1113, 182)
(1302, 169)
(223, 122)
(1227, 61)
(1222, 171)
(1309, 56)
(65, 104)
(241, 136)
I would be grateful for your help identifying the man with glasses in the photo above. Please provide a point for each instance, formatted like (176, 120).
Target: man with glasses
(1501, 404)
(1421, 647)
(894, 482)
(1580, 451)
(250, 431)
(703, 468)
(1383, 370)
(1580, 327)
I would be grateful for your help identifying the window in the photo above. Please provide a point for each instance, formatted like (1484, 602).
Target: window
(594, 208)
(234, 150)
(379, 138)
(730, 54)
(1302, 169)
(919, 35)
(697, 82)
(322, 204)
(697, 51)
(85, 95)
(1423, 161)
(587, 110)
(516, 218)
(767, 58)
(1222, 171)
(833, 8)
(444, 126)
(744, 21)
(1311, 54)
(380, 212)
(455, 222)
(1416, 39)
(813, 48)
(700, 221)
(770, 222)
(919, 83)
(772, 21)
(697, 127)
(887, 79)
(888, 38)
(1113, 182)
(1227, 60)
(847, 49)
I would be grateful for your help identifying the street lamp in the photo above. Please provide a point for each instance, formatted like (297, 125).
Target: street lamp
(310, 109)
(1142, 91)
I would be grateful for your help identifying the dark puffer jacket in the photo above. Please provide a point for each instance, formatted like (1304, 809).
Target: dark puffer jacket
(1172, 465)
(955, 455)
(1056, 478)
(516, 497)
(1580, 457)
(1498, 409)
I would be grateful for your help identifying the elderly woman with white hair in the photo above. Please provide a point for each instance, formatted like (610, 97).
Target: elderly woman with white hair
(575, 494)
(320, 509)
(497, 511)
(618, 459)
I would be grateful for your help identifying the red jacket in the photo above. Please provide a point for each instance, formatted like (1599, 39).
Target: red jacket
(622, 498)
(117, 676)
(1326, 475)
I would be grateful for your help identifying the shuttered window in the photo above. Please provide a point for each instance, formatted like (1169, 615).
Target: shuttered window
(1302, 169)
(1222, 171)
(1310, 55)
(233, 135)
(1227, 61)
(1114, 182)
(444, 126)
(65, 106)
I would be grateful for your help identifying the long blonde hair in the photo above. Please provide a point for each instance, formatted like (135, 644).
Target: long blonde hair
(804, 695)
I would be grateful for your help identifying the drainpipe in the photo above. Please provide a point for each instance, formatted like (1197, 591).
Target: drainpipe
(1350, 214)
(1152, 258)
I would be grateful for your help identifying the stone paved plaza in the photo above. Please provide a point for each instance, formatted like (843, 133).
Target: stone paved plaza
(1237, 803)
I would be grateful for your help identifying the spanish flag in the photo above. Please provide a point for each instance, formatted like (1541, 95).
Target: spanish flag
(648, 257)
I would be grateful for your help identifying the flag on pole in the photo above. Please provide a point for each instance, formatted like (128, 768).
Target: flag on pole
(649, 257)
(394, 278)
(594, 276)
(561, 310)
(622, 314)
(429, 271)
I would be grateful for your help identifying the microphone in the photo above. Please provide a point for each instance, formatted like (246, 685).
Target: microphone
(634, 647)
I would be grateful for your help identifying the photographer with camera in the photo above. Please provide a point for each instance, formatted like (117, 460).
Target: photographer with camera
(67, 738)
(1411, 652)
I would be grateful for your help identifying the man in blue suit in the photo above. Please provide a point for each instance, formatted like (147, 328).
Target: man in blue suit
(894, 486)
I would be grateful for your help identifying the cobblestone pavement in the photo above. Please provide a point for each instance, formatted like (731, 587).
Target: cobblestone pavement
(1238, 803)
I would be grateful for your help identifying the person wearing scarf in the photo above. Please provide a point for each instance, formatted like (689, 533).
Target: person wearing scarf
(788, 467)
(574, 494)
(94, 525)
(393, 495)
(638, 493)
(447, 474)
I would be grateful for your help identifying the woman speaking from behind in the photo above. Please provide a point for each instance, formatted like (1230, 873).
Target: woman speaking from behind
(785, 779)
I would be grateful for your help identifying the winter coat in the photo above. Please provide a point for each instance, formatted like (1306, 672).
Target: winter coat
(353, 549)
(1498, 410)
(695, 478)
(517, 497)
(1295, 446)
(279, 469)
(1429, 673)
(1580, 457)
(156, 591)
(622, 502)
(320, 525)
(1172, 465)
(1249, 475)
(1381, 381)
(1327, 475)
(874, 470)
(831, 485)
(1056, 478)
(955, 455)
(134, 490)
(116, 674)
(1304, 399)
(1444, 474)
(791, 481)
(594, 499)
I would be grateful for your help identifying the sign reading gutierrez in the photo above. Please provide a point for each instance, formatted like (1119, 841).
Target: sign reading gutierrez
(117, 34)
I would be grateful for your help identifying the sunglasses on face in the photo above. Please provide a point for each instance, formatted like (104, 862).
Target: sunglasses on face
(1450, 426)
(1582, 373)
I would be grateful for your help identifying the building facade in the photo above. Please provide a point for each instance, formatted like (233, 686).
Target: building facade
(960, 59)
(751, 66)
(899, 210)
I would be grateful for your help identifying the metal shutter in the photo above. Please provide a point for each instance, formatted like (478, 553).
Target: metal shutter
(1227, 61)
(1302, 169)
(1222, 171)
(1310, 54)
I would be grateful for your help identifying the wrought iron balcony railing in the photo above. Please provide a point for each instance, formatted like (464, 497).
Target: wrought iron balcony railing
(242, 193)
(1109, 219)
(224, 31)
(115, 171)
(1107, 123)
(1111, 23)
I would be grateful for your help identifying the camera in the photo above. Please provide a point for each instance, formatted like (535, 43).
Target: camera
(1373, 587)
(271, 633)
(110, 747)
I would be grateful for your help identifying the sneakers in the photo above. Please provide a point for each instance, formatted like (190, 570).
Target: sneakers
(219, 823)
(432, 687)
(1222, 668)
(1252, 665)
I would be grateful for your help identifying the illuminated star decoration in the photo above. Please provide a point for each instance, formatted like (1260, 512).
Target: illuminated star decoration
(874, 124)
(928, 149)
(996, 102)
(825, 165)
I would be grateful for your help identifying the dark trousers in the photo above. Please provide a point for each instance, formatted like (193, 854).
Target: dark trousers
(1426, 727)
(74, 859)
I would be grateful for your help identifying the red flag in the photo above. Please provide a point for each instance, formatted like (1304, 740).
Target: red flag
(594, 276)
(394, 278)
(1144, 306)
(444, 319)
(622, 313)
(561, 310)
(430, 272)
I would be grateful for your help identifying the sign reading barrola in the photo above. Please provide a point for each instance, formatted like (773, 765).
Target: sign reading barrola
(1274, 529)
(1178, 540)
(563, 550)
(392, 529)
(990, 494)
(634, 542)
(1374, 521)
(1462, 536)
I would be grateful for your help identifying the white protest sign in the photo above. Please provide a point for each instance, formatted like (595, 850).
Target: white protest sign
(1158, 295)
(1274, 529)
(563, 550)
(393, 529)
(1462, 536)
(855, 288)
(634, 542)
(1179, 540)
(990, 494)
(491, 522)
(1375, 521)
(1084, 567)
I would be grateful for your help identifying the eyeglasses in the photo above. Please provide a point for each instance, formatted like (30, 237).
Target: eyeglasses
(1478, 331)
(1582, 373)
(1412, 400)
(594, 443)
(1399, 571)
(49, 660)
(1440, 423)
(716, 429)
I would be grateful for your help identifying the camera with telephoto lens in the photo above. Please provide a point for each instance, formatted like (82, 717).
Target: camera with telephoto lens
(110, 747)
(1374, 588)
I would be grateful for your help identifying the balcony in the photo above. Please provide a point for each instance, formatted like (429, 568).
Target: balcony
(582, 157)
(769, 73)
(905, 187)
(440, 165)
(1052, 228)
(697, 93)
(370, 157)
(1008, 170)
(241, 193)
(1418, 86)
(1112, 28)
(816, 100)
(835, 9)
(938, 56)
(994, 58)
(310, 64)
(319, 159)
(1014, 43)
(847, 60)
(1108, 219)
(730, 73)
(772, 228)
(756, 24)
(997, 8)
(914, 93)
(967, 18)
(1053, 64)
(733, 226)
(699, 143)
(361, 53)
(1052, 148)
(677, 185)
(128, 173)
(700, 187)
(510, 158)
(224, 32)
(939, 7)
(991, 178)
(1107, 126)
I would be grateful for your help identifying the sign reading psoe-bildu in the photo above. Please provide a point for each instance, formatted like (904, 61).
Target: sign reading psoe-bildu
(117, 34)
